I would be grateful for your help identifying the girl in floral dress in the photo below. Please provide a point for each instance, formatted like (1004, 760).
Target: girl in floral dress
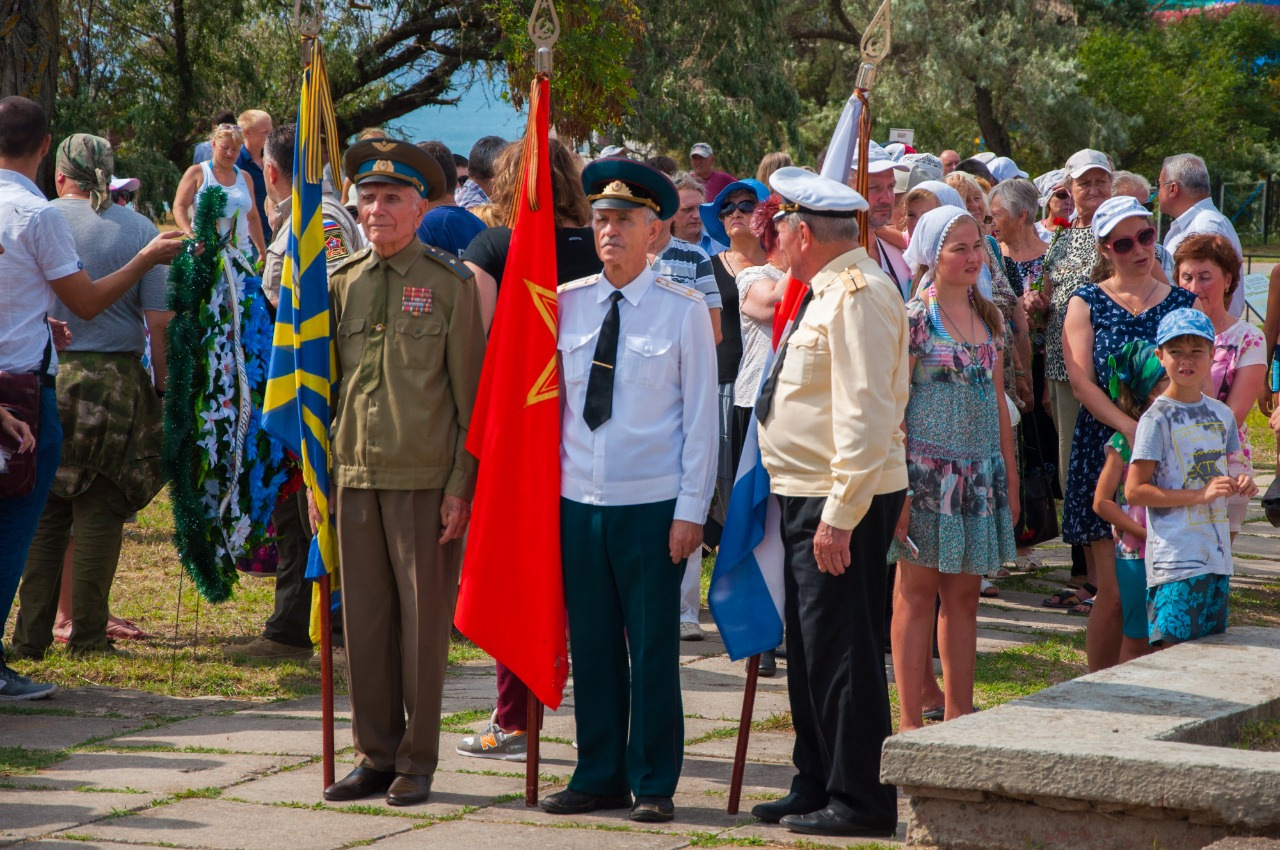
(1207, 265)
(961, 506)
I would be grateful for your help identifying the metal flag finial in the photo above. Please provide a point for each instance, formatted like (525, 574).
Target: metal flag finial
(876, 41)
(544, 31)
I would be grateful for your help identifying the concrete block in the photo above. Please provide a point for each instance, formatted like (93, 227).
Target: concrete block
(223, 825)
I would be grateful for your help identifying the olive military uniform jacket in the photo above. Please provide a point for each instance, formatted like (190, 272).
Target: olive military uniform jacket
(410, 343)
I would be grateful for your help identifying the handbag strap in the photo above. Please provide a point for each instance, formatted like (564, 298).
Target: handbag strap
(47, 380)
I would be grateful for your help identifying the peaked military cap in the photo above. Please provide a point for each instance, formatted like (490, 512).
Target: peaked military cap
(619, 183)
(394, 161)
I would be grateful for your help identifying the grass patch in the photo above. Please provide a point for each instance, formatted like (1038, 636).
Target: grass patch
(1262, 736)
(206, 793)
(186, 661)
(1254, 605)
(1262, 440)
(708, 839)
(1023, 670)
(713, 735)
(20, 760)
(459, 723)
(777, 722)
(31, 710)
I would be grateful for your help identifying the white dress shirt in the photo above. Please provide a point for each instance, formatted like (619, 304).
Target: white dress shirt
(38, 248)
(662, 438)
(1204, 217)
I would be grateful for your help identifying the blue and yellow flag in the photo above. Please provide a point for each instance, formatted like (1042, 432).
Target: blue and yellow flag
(296, 407)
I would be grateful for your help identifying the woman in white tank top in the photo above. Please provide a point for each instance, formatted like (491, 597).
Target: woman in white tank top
(241, 208)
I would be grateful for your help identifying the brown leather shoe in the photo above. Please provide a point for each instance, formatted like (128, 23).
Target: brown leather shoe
(409, 790)
(358, 784)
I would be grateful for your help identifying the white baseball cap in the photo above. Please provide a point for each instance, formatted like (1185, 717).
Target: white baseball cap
(1003, 168)
(126, 184)
(701, 149)
(984, 157)
(1082, 161)
(930, 163)
(878, 160)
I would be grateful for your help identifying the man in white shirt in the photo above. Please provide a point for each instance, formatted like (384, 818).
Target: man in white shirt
(38, 264)
(881, 182)
(1183, 193)
(638, 464)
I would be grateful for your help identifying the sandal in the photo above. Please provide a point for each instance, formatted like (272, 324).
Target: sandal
(1084, 609)
(989, 590)
(935, 714)
(1027, 563)
(1002, 572)
(1070, 597)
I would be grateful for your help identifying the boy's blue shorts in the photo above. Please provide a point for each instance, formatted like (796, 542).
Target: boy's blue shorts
(1131, 574)
(1188, 609)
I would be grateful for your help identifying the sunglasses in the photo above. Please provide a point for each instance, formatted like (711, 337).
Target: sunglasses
(1062, 194)
(745, 207)
(1144, 238)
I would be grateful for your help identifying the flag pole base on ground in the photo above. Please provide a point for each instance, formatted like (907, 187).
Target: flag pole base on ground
(744, 733)
(326, 678)
(533, 731)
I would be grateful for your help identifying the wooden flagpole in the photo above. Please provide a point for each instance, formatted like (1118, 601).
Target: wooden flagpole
(326, 678)
(744, 733)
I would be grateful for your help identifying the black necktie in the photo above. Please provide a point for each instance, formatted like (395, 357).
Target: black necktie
(765, 403)
(599, 404)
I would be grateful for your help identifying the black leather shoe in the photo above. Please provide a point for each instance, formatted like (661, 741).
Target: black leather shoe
(409, 790)
(653, 810)
(768, 664)
(569, 802)
(829, 822)
(358, 784)
(792, 804)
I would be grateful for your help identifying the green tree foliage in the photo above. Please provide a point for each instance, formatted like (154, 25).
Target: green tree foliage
(1206, 83)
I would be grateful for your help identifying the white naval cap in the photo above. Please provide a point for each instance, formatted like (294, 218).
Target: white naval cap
(878, 160)
(804, 191)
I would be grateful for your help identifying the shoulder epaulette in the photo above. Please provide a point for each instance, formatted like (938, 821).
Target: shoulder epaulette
(853, 279)
(353, 259)
(578, 284)
(449, 261)
(679, 289)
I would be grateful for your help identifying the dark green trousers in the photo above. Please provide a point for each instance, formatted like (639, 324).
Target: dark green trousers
(623, 597)
(99, 514)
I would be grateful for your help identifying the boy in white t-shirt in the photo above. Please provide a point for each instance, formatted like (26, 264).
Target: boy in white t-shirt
(1178, 473)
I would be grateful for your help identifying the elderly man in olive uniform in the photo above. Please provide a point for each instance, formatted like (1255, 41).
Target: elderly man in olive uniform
(410, 343)
(830, 412)
(638, 455)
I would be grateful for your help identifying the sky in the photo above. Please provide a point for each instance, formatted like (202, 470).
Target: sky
(478, 113)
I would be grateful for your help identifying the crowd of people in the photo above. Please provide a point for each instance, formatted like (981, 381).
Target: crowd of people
(919, 403)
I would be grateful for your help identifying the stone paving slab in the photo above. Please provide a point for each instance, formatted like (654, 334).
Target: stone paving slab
(224, 825)
(52, 732)
(695, 812)
(31, 813)
(451, 792)
(772, 747)
(55, 844)
(471, 835)
(96, 701)
(308, 707)
(240, 733)
(159, 773)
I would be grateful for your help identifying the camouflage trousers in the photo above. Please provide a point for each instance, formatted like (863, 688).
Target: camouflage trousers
(110, 468)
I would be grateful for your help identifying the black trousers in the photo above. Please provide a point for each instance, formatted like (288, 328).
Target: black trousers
(835, 661)
(290, 622)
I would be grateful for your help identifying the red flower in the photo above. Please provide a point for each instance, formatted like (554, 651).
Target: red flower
(1060, 222)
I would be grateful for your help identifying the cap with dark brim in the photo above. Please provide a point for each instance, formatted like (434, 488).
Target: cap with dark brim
(619, 183)
(394, 161)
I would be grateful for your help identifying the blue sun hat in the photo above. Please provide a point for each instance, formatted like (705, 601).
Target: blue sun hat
(1184, 322)
(710, 211)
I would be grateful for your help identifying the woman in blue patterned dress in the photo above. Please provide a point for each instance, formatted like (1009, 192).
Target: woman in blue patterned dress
(962, 503)
(1126, 303)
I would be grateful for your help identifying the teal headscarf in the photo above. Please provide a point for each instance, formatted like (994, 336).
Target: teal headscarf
(1138, 368)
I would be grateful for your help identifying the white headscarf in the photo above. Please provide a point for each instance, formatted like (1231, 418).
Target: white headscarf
(1049, 181)
(931, 231)
(947, 196)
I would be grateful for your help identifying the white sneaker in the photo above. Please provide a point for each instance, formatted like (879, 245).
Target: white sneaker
(691, 631)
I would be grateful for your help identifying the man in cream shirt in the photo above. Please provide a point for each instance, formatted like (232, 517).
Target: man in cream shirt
(830, 413)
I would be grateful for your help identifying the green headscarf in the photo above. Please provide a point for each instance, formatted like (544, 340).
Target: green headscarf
(88, 162)
(1138, 368)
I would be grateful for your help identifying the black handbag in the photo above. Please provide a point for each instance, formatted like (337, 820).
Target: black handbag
(1039, 519)
(1271, 503)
